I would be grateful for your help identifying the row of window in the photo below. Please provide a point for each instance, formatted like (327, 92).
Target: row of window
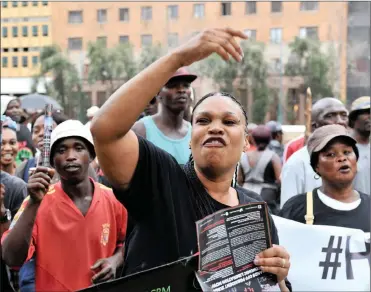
(76, 43)
(76, 16)
(22, 3)
(25, 31)
(24, 60)
(25, 19)
(16, 50)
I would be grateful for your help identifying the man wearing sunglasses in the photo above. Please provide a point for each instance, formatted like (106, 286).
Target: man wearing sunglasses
(167, 128)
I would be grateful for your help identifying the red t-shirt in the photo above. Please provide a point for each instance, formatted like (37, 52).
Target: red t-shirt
(67, 244)
(292, 147)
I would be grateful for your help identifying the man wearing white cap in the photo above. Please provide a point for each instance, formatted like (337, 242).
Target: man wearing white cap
(76, 228)
(90, 113)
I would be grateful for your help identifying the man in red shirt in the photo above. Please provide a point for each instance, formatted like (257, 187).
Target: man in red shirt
(76, 228)
(293, 146)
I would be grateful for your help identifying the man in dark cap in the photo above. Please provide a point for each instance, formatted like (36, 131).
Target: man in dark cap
(359, 121)
(168, 129)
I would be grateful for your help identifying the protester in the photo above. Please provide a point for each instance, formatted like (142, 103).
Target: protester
(333, 156)
(90, 113)
(276, 142)
(297, 175)
(167, 129)
(250, 128)
(260, 169)
(163, 199)
(293, 146)
(359, 121)
(37, 129)
(75, 228)
(26, 148)
(9, 145)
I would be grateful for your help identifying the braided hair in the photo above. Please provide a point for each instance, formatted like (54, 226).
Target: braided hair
(234, 180)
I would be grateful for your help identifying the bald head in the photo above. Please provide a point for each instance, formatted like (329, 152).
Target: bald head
(329, 111)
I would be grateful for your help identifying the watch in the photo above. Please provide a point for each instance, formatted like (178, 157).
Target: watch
(7, 217)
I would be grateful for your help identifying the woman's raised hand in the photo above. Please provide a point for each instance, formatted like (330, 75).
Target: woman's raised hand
(219, 40)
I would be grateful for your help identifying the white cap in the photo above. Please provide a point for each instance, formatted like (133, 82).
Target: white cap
(5, 99)
(92, 111)
(71, 128)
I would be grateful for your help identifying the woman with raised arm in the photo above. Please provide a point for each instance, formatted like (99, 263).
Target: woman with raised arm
(163, 199)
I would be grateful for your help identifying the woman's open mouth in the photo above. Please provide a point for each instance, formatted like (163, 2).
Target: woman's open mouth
(345, 169)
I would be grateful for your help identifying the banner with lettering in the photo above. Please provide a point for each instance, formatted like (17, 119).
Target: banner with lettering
(325, 258)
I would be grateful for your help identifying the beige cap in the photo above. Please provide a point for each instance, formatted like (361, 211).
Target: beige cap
(71, 128)
(323, 135)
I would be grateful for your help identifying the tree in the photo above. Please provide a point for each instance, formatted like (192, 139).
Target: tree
(66, 85)
(308, 61)
(250, 73)
(148, 55)
(110, 65)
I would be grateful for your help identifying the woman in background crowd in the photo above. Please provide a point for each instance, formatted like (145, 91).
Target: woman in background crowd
(260, 169)
(333, 156)
(9, 145)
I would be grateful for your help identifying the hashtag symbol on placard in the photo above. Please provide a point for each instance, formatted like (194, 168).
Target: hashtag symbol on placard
(329, 250)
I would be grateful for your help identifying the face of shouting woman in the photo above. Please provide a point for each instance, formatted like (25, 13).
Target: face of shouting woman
(218, 135)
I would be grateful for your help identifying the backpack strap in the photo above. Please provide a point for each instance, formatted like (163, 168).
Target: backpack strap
(309, 217)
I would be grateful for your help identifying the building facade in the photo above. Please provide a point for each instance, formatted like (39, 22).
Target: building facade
(25, 29)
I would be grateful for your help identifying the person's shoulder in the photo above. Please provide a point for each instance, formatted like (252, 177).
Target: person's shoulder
(139, 127)
(364, 197)
(301, 155)
(12, 181)
(247, 196)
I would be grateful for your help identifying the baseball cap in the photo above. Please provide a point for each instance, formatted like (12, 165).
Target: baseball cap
(274, 126)
(361, 103)
(182, 74)
(323, 135)
(92, 111)
(71, 128)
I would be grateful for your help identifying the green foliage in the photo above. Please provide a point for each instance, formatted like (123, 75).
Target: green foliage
(148, 55)
(314, 66)
(250, 72)
(66, 85)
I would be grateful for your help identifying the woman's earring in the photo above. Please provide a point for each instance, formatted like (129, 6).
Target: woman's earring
(316, 176)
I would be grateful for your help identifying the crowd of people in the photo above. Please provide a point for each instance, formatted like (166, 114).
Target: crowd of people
(124, 191)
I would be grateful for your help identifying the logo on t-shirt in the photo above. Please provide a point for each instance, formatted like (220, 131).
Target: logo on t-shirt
(105, 234)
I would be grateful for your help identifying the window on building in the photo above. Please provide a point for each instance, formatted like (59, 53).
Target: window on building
(15, 31)
(124, 14)
(276, 35)
(35, 60)
(226, 8)
(198, 10)
(102, 15)
(24, 31)
(25, 49)
(172, 11)
(4, 4)
(308, 5)
(172, 40)
(123, 39)
(15, 3)
(5, 50)
(4, 62)
(14, 61)
(75, 16)
(146, 13)
(146, 40)
(24, 61)
(24, 3)
(45, 3)
(102, 40)
(34, 3)
(35, 30)
(45, 30)
(4, 32)
(75, 44)
(308, 32)
(251, 33)
(358, 6)
(276, 6)
(250, 7)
